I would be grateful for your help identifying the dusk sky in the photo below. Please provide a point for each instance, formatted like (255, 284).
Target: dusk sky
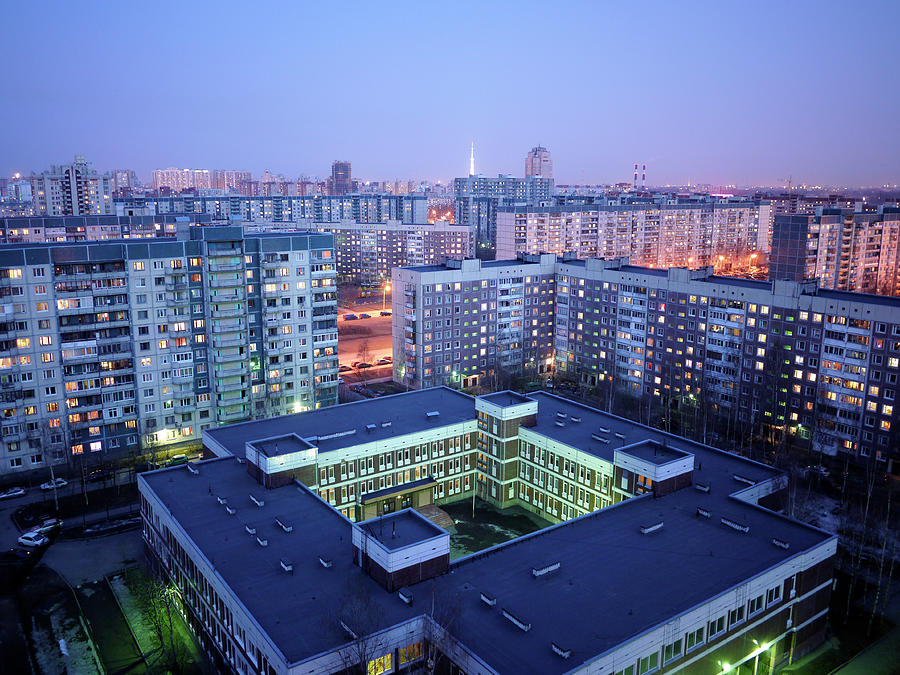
(722, 92)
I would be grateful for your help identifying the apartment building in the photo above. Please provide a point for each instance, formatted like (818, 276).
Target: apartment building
(478, 198)
(658, 232)
(229, 180)
(24, 230)
(116, 347)
(266, 552)
(840, 248)
(472, 322)
(820, 366)
(72, 190)
(362, 208)
(181, 179)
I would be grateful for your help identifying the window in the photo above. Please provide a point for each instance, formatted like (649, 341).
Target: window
(694, 639)
(380, 665)
(672, 651)
(648, 663)
(756, 605)
(773, 595)
(736, 616)
(625, 671)
(715, 627)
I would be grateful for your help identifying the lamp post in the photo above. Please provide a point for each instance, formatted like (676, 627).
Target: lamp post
(384, 292)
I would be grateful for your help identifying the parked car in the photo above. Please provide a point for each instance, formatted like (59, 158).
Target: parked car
(15, 555)
(382, 362)
(97, 475)
(385, 312)
(12, 492)
(175, 460)
(389, 359)
(363, 365)
(54, 484)
(350, 317)
(344, 369)
(48, 526)
(33, 540)
(365, 316)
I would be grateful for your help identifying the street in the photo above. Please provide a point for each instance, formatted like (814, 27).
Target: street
(352, 335)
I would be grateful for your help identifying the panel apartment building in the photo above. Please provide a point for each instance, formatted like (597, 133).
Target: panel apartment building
(478, 198)
(72, 190)
(25, 230)
(840, 248)
(363, 208)
(115, 347)
(820, 365)
(660, 232)
(273, 572)
(469, 322)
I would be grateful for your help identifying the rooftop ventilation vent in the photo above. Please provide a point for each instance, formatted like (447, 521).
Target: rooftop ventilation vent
(250, 529)
(432, 413)
(735, 525)
(703, 512)
(605, 430)
(702, 487)
(561, 414)
(258, 502)
(371, 427)
(620, 435)
(546, 569)
(284, 525)
(262, 542)
(386, 423)
(781, 543)
(560, 423)
(647, 529)
(575, 419)
(559, 651)
(490, 601)
(222, 500)
(743, 479)
(287, 566)
(240, 460)
(515, 621)
(230, 510)
(193, 470)
(405, 595)
(327, 563)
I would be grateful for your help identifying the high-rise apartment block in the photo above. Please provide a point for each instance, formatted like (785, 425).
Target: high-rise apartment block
(228, 180)
(840, 248)
(26, 230)
(341, 180)
(297, 586)
(367, 254)
(112, 347)
(72, 190)
(471, 322)
(539, 163)
(821, 366)
(363, 208)
(478, 198)
(181, 179)
(662, 231)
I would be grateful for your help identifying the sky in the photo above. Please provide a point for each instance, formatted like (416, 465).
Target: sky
(746, 93)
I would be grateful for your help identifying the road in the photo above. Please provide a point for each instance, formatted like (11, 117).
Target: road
(353, 334)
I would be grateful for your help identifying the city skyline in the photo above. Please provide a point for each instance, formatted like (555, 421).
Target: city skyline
(702, 96)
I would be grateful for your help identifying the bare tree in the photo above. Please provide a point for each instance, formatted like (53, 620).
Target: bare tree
(443, 613)
(156, 600)
(358, 618)
(363, 355)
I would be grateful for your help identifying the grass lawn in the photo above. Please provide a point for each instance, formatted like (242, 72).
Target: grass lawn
(488, 527)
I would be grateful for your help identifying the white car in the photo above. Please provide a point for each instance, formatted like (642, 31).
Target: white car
(33, 539)
(52, 484)
(12, 492)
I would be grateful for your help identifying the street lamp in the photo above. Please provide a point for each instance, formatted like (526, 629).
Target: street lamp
(385, 290)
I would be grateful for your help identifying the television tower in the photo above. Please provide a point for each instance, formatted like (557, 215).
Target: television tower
(472, 160)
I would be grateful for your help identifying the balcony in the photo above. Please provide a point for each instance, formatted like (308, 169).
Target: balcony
(229, 342)
(231, 415)
(233, 398)
(228, 358)
(227, 282)
(182, 378)
(227, 313)
(231, 372)
(221, 266)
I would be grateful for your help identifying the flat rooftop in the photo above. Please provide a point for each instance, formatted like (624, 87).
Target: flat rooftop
(505, 398)
(351, 424)
(282, 445)
(655, 452)
(396, 530)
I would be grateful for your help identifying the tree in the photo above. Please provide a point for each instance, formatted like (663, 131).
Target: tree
(156, 598)
(359, 619)
(364, 355)
(443, 612)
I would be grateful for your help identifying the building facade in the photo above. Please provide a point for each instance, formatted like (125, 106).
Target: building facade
(115, 348)
(817, 366)
(472, 322)
(94, 228)
(539, 163)
(276, 502)
(229, 180)
(177, 180)
(341, 181)
(478, 198)
(362, 208)
(72, 190)
(659, 232)
(839, 248)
